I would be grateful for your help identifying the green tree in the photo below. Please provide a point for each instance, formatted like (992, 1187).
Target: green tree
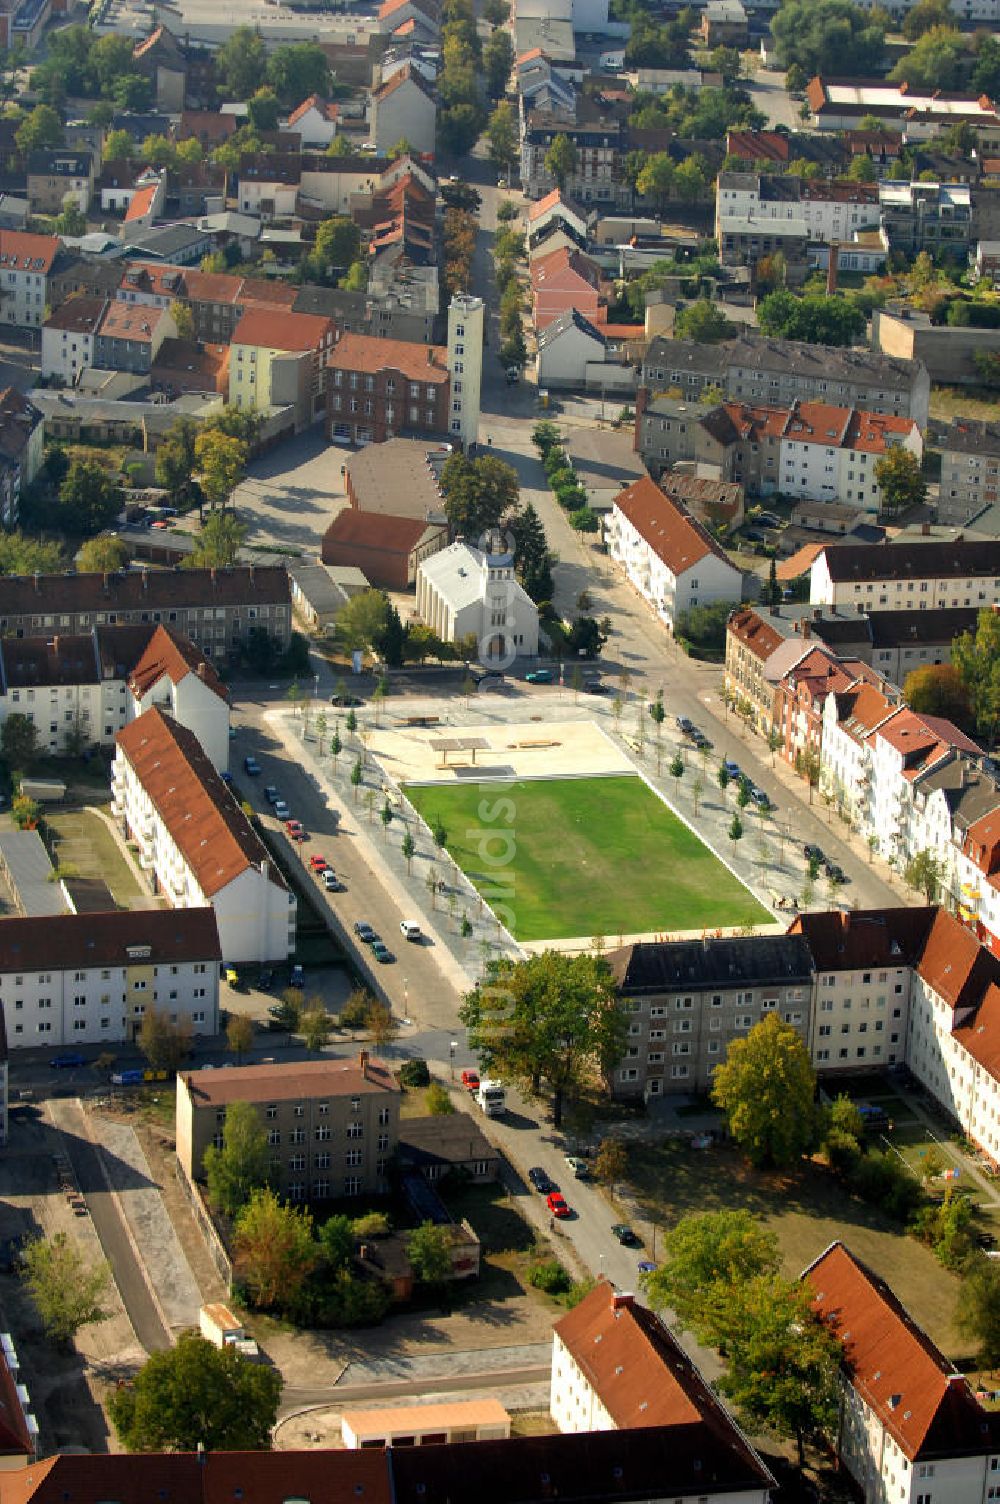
(656, 179)
(361, 623)
(817, 318)
(274, 1248)
(89, 499)
(766, 1087)
(925, 15)
(103, 555)
(479, 494)
(221, 460)
(704, 322)
(783, 1363)
(611, 1162)
(315, 1027)
(196, 1395)
(562, 160)
(706, 1257)
(833, 37)
(263, 110)
(501, 133)
(132, 93)
(925, 872)
(243, 1164)
(437, 1100)
(458, 128)
(239, 1034)
(297, 70)
(899, 477)
(72, 221)
(336, 1240)
(218, 543)
(65, 1290)
(977, 1313)
(19, 741)
(163, 1042)
(976, 655)
(241, 63)
(551, 1017)
(429, 1251)
(336, 247)
(938, 689)
(936, 61)
(41, 127)
(118, 145)
(691, 179)
(408, 849)
(498, 59)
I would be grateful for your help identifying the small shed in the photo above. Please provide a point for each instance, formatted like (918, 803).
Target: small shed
(425, 1425)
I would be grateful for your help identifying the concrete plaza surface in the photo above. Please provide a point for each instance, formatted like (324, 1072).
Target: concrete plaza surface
(539, 748)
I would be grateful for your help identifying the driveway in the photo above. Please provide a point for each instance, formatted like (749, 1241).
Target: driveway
(290, 496)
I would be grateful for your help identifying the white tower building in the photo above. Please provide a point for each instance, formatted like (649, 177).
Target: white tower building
(465, 362)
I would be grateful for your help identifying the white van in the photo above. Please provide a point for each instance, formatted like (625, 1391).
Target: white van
(410, 930)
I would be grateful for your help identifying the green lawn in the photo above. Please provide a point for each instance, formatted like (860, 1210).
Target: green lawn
(568, 857)
(807, 1209)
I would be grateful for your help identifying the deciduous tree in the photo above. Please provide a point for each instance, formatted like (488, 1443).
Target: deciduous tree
(899, 476)
(833, 37)
(977, 1313)
(429, 1251)
(925, 872)
(19, 741)
(243, 1164)
(103, 555)
(89, 499)
(65, 1290)
(976, 655)
(706, 1256)
(275, 1250)
(163, 1042)
(239, 1034)
(221, 460)
(562, 159)
(218, 543)
(241, 63)
(938, 689)
(766, 1087)
(196, 1395)
(552, 1017)
(480, 494)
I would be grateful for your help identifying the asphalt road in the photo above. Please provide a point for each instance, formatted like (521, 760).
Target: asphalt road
(110, 1228)
(345, 1394)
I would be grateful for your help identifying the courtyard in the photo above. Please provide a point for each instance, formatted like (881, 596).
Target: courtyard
(568, 858)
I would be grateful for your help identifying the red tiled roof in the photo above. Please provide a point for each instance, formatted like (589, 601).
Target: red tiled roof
(922, 740)
(279, 330)
(21, 251)
(757, 146)
(147, 43)
(550, 200)
(754, 632)
(142, 202)
(954, 963)
(851, 940)
(923, 1402)
(404, 75)
(328, 111)
(671, 532)
(14, 1438)
(981, 1036)
(176, 657)
(203, 818)
(982, 842)
(381, 530)
(799, 562)
(364, 352)
(131, 321)
(71, 940)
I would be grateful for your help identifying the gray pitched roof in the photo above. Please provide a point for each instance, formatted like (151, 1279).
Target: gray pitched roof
(657, 966)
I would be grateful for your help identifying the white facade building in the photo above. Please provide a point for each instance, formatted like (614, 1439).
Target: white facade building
(829, 211)
(666, 555)
(465, 362)
(910, 1428)
(194, 840)
(616, 1367)
(78, 979)
(907, 576)
(463, 592)
(174, 675)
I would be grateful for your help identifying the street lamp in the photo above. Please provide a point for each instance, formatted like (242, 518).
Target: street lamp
(451, 1055)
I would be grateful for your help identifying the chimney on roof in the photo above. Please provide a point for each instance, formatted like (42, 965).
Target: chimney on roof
(145, 579)
(806, 628)
(363, 1059)
(212, 572)
(925, 528)
(265, 867)
(38, 583)
(253, 569)
(201, 670)
(621, 1300)
(106, 588)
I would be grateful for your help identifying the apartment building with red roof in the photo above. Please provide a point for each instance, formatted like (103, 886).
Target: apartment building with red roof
(616, 1367)
(26, 263)
(194, 840)
(666, 555)
(175, 675)
(279, 359)
(564, 279)
(381, 388)
(315, 121)
(130, 338)
(910, 1427)
(404, 107)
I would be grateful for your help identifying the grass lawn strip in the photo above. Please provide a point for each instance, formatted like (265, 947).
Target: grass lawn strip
(585, 856)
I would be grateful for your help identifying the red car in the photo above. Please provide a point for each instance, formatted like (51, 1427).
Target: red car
(295, 830)
(470, 1080)
(556, 1203)
(318, 863)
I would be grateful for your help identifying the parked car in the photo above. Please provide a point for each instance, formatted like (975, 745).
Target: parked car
(345, 702)
(266, 979)
(556, 1204)
(813, 853)
(540, 1180)
(645, 1266)
(251, 767)
(271, 793)
(295, 830)
(732, 768)
(753, 535)
(381, 952)
(768, 519)
(364, 932)
(67, 1062)
(296, 977)
(318, 863)
(470, 1080)
(331, 881)
(410, 930)
(579, 1166)
(539, 676)
(759, 797)
(683, 724)
(596, 687)
(626, 1236)
(281, 810)
(701, 740)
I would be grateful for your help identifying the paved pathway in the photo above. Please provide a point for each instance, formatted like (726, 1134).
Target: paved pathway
(166, 1264)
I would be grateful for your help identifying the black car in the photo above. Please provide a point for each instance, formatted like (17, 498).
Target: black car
(541, 1181)
(835, 873)
(365, 932)
(684, 725)
(266, 979)
(346, 702)
(813, 853)
(596, 687)
(626, 1236)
